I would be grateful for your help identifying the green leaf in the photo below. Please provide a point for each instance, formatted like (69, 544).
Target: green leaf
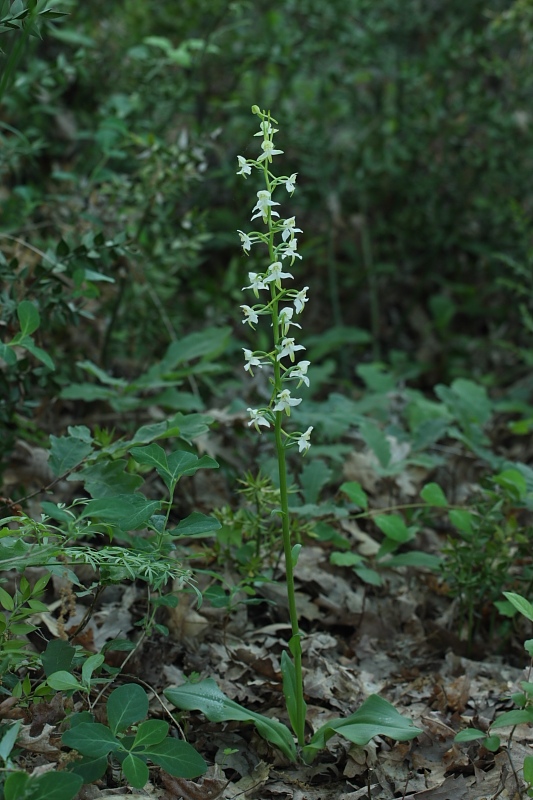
(314, 476)
(415, 558)
(182, 463)
(288, 672)
(150, 732)
(57, 657)
(528, 769)
(393, 527)
(356, 493)
(492, 743)
(152, 455)
(29, 318)
(206, 697)
(128, 512)
(54, 786)
(208, 342)
(377, 441)
(195, 524)
(517, 717)
(376, 717)
(101, 375)
(177, 758)
(63, 681)
(172, 467)
(192, 425)
(38, 352)
(66, 452)
(15, 785)
(89, 666)
(135, 771)
(90, 769)
(295, 554)
(513, 482)
(461, 519)
(346, 559)
(8, 355)
(109, 479)
(8, 740)
(88, 392)
(433, 495)
(126, 705)
(6, 600)
(469, 735)
(91, 739)
(521, 604)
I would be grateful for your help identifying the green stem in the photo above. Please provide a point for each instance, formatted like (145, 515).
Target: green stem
(296, 647)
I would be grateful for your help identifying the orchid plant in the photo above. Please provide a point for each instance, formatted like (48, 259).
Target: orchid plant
(282, 304)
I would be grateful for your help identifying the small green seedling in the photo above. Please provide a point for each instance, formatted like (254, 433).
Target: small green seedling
(523, 714)
(129, 741)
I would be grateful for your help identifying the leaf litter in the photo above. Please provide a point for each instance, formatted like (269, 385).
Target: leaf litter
(398, 640)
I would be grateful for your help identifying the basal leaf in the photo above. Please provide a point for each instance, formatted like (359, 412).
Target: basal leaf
(206, 697)
(376, 717)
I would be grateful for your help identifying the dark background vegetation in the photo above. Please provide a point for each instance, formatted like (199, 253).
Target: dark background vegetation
(409, 124)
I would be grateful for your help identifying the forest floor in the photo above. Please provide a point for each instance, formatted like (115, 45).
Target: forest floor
(402, 640)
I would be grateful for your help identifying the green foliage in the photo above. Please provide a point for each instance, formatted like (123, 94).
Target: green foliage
(524, 700)
(375, 717)
(19, 607)
(127, 706)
